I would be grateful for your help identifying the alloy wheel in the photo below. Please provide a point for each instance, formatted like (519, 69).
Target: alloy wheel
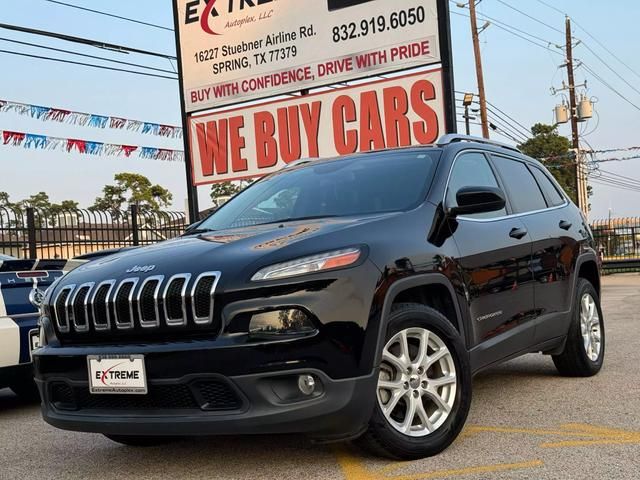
(417, 382)
(590, 327)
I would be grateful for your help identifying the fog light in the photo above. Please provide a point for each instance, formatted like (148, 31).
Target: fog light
(306, 384)
(289, 322)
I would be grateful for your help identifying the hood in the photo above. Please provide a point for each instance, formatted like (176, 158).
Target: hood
(236, 253)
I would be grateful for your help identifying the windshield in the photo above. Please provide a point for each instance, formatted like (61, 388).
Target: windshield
(358, 185)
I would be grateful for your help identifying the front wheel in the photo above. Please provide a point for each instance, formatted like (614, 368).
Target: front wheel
(583, 353)
(424, 386)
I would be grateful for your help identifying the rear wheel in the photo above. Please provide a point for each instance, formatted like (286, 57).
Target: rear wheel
(583, 354)
(139, 440)
(424, 386)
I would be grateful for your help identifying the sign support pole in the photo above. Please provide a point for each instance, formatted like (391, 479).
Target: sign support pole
(192, 190)
(446, 57)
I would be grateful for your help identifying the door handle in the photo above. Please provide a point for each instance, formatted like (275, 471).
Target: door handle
(518, 233)
(565, 225)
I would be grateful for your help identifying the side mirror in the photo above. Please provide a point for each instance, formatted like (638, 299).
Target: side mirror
(478, 200)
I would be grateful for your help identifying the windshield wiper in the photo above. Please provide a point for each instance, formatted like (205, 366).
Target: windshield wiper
(196, 231)
(298, 219)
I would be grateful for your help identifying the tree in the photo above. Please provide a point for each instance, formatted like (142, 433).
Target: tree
(4, 200)
(554, 151)
(47, 212)
(132, 189)
(223, 190)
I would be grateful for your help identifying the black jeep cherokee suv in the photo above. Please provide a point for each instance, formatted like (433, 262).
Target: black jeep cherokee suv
(345, 298)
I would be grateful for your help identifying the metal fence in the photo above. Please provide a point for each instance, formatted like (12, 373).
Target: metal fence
(618, 240)
(33, 233)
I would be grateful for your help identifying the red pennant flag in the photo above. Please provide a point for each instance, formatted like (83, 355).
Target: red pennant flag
(128, 150)
(80, 145)
(15, 138)
(57, 115)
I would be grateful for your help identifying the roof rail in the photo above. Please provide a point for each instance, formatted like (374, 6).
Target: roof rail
(454, 138)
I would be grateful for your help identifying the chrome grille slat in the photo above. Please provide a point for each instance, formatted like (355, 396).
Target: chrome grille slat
(148, 302)
(205, 319)
(62, 317)
(120, 324)
(105, 304)
(172, 321)
(141, 311)
(85, 290)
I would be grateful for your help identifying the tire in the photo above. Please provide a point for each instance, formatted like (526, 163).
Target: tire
(27, 390)
(421, 438)
(140, 440)
(577, 360)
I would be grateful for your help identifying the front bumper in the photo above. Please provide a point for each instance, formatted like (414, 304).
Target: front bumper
(185, 400)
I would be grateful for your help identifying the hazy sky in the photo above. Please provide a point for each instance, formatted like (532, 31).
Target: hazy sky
(518, 78)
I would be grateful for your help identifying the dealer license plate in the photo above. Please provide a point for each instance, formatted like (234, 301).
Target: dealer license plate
(117, 374)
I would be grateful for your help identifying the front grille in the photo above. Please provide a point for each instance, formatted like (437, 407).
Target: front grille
(208, 395)
(134, 305)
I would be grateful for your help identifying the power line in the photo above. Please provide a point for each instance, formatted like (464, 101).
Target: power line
(606, 49)
(86, 64)
(98, 12)
(84, 55)
(604, 82)
(552, 7)
(85, 41)
(508, 30)
(610, 68)
(531, 17)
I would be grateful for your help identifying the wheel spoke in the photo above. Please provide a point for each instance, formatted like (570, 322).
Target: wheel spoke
(442, 381)
(390, 384)
(437, 356)
(422, 349)
(398, 363)
(424, 418)
(404, 346)
(410, 414)
(437, 399)
(392, 403)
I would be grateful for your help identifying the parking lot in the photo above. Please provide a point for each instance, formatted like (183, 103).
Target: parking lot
(525, 422)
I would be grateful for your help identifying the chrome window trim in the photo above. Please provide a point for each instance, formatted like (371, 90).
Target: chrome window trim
(122, 325)
(107, 326)
(502, 217)
(183, 293)
(79, 328)
(208, 319)
(63, 328)
(156, 322)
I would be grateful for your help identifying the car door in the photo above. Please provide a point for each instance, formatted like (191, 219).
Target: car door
(494, 262)
(556, 234)
(547, 217)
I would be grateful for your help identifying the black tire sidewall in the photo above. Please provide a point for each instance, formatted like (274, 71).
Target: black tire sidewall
(403, 446)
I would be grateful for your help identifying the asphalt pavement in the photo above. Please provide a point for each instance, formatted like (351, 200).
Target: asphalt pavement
(526, 422)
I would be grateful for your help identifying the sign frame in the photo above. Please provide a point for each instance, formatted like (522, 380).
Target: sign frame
(446, 65)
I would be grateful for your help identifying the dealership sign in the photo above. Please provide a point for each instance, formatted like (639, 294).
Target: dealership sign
(256, 140)
(237, 50)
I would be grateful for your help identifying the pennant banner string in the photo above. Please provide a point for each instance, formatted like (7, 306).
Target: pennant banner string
(86, 147)
(89, 119)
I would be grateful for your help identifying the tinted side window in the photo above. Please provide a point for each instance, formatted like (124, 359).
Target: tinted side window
(472, 170)
(553, 197)
(524, 192)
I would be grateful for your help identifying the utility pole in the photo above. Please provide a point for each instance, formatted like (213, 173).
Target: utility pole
(580, 178)
(484, 121)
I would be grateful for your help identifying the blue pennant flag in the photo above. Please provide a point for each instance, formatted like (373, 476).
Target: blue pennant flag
(150, 128)
(98, 121)
(94, 148)
(149, 152)
(38, 112)
(35, 141)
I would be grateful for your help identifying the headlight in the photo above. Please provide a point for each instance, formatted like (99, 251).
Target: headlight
(311, 264)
